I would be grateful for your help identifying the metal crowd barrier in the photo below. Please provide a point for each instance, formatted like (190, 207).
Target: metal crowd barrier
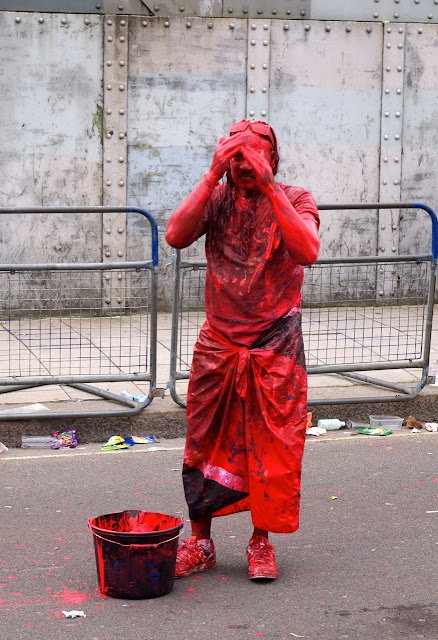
(73, 324)
(359, 314)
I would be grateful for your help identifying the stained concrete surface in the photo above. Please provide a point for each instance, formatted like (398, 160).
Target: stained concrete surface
(361, 566)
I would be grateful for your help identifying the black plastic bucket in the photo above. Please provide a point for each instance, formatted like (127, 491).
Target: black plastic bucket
(135, 553)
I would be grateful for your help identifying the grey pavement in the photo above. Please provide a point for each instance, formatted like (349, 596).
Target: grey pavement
(361, 567)
(37, 353)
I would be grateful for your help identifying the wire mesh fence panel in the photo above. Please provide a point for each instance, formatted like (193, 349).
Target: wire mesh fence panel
(349, 322)
(60, 325)
(347, 319)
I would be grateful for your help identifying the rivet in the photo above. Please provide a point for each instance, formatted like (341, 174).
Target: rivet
(232, 25)
(107, 253)
(157, 7)
(386, 114)
(264, 65)
(381, 292)
(121, 111)
(388, 45)
(376, 0)
(259, 11)
(122, 38)
(417, 1)
(263, 112)
(286, 27)
(430, 16)
(252, 89)
(145, 23)
(109, 111)
(108, 159)
(265, 27)
(396, 1)
(110, 38)
(399, 68)
(253, 42)
(385, 159)
(109, 87)
(108, 183)
(167, 23)
(121, 7)
(252, 65)
(122, 63)
(63, 21)
(119, 253)
(253, 26)
(41, 20)
(121, 159)
(97, 6)
(396, 159)
(420, 31)
(108, 135)
(265, 43)
(245, 10)
(302, 13)
(307, 27)
(395, 182)
(188, 25)
(397, 114)
(397, 136)
(274, 12)
(230, 9)
(120, 230)
(396, 15)
(388, 68)
(251, 113)
(107, 300)
(121, 87)
(368, 29)
(389, 30)
(375, 14)
(264, 89)
(385, 137)
(393, 249)
(108, 230)
(210, 25)
(394, 227)
(328, 27)
(386, 90)
(109, 23)
(383, 227)
(122, 22)
(288, 12)
(348, 28)
(400, 29)
(400, 45)
(121, 183)
(86, 21)
(121, 136)
(384, 181)
(108, 63)
(182, 8)
(398, 91)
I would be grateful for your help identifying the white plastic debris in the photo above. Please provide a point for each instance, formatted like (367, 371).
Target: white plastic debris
(414, 430)
(29, 408)
(431, 426)
(3, 447)
(316, 431)
(158, 449)
(74, 614)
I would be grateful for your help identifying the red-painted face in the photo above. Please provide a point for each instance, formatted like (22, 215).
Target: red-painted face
(242, 172)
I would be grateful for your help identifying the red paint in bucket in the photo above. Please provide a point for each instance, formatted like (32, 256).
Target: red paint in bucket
(135, 553)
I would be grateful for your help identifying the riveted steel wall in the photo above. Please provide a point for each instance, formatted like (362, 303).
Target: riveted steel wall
(120, 109)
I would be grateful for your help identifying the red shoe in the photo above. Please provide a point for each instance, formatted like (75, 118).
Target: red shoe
(261, 559)
(194, 555)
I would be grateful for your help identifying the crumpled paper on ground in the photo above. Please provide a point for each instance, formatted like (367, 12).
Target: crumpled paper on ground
(316, 431)
(74, 614)
(431, 426)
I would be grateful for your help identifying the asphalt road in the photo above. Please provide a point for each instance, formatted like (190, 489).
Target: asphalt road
(363, 565)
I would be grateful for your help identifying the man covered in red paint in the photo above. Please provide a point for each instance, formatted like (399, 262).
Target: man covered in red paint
(247, 397)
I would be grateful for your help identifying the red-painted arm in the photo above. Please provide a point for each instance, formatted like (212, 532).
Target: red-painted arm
(300, 234)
